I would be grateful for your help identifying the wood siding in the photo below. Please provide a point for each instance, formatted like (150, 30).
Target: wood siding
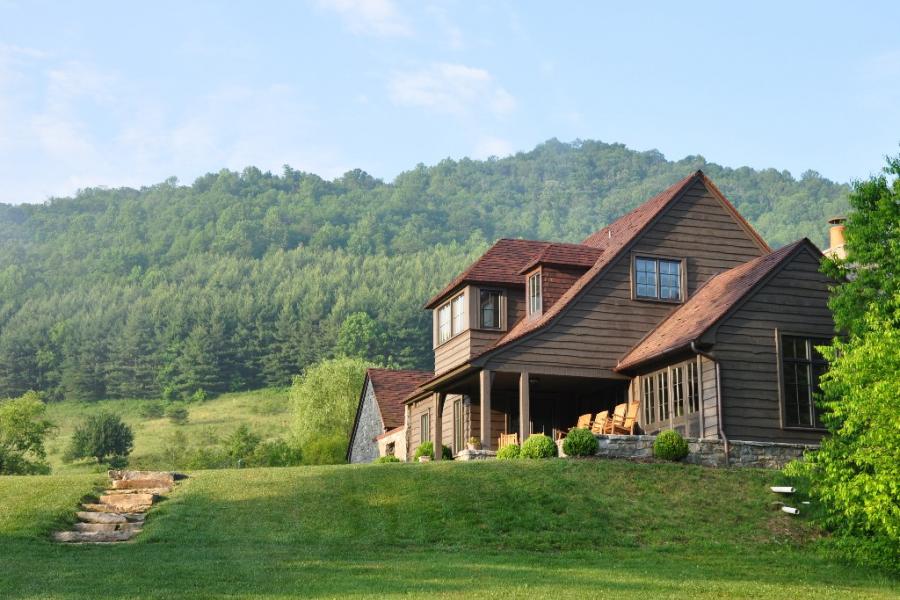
(794, 301)
(555, 281)
(709, 398)
(605, 322)
(498, 423)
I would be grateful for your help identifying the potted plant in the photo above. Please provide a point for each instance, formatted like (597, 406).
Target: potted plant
(473, 443)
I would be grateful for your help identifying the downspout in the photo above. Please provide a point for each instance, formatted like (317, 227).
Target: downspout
(719, 415)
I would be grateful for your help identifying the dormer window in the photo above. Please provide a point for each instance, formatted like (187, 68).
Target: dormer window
(489, 302)
(535, 299)
(451, 318)
(459, 313)
(443, 324)
(657, 279)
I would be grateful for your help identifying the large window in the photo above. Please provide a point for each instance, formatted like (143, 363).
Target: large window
(693, 387)
(451, 319)
(802, 365)
(425, 425)
(678, 391)
(489, 302)
(657, 278)
(535, 302)
(670, 392)
(649, 400)
(662, 385)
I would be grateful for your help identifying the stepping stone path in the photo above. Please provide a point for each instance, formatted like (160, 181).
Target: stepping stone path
(119, 514)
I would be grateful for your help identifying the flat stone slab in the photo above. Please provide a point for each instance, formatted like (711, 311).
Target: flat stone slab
(156, 491)
(93, 537)
(128, 502)
(122, 475)
(96, 526)
(94, 517)
(143, 484)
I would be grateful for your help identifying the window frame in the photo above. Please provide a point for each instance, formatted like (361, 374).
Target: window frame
(530, 297)
(425, 427)
(459, 423)
(811, 363)
(454, 319)
(661, 384)
(499, 308)
(658, 259)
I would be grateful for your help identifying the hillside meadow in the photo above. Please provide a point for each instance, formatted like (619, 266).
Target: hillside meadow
(501, 529)
(266, 412)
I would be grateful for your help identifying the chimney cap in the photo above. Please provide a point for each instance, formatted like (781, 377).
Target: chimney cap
(839, 220)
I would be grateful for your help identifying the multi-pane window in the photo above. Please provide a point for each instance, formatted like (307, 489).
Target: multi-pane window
(444, 323)
(657, 278)
(490, 309)
(802, 365)
(425, 425)
(662, 381)
(693, 387)
(459, 313)
(677, 391)
(649, 399)
(458, 427)
(535, 302)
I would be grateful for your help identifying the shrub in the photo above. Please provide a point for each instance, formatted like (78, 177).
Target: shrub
(538, 445)
(177, 414)
(669, 445)
(474, 442)
(580, 442)
(199, 396)
(390, 458)
(509, 452)
(325, 449)
(276, 453)
(427, 449)
(241, 443)
(153, 410)
(100, 436)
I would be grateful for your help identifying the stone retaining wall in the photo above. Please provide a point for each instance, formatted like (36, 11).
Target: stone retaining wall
(710, 453)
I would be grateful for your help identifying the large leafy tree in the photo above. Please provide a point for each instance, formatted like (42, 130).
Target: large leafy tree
(23, 429)
(101, 436)
(856, 473)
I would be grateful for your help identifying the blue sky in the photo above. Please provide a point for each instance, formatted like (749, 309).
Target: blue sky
(116, 93)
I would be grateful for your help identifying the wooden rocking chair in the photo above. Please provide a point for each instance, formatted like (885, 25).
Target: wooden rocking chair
(618, 419)
(627, 426)
(507, 439)
(600, 422)
(584, 422)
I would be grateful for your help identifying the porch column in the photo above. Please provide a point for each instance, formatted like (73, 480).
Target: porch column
(484, 379)
(524, 406)
(438, 426)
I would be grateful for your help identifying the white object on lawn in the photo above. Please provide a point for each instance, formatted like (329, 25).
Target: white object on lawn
(782, 489)
(790, 510)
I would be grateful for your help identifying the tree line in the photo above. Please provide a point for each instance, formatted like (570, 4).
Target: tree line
(242, 280)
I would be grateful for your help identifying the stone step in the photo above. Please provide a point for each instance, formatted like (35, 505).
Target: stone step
(143, 484)
(93, 537)
(122, 475)
(101, 518)
(156, 491)
(83, 527)
(128, 502)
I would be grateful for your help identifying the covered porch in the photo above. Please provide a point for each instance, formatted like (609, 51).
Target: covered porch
(485, 404)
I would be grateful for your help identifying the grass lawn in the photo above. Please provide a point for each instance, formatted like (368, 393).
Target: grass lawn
(519, 529)
(266, 412)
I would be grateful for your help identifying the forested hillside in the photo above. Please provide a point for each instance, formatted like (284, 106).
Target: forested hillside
(242, 279)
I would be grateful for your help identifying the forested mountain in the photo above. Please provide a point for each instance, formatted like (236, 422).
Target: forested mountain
(242, 279)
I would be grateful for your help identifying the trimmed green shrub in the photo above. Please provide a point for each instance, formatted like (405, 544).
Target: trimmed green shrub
(509, 452)
(580, 442)
(427, 449)
(669, 445)
(538, 445)
(390, 458)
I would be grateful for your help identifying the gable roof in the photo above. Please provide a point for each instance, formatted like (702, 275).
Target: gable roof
(718, 296)
(558, 253)
(613, 240)
(500, 265)
(391, 389)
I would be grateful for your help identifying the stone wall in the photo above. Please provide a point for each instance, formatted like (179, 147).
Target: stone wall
(364, 448)
(707, 452)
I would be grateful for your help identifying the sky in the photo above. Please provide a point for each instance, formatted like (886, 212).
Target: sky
(129, 94)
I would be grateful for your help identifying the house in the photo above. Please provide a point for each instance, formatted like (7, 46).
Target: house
(379, 425)
(679, 305)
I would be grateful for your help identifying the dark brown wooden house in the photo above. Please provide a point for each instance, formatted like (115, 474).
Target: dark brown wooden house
(679, 304)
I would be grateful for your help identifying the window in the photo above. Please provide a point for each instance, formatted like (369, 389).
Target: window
(443, 324)
(662, 380)
(693, 387)
(458, 425)
(648, 399)
(535, 303)
(390, 448)
(678, 391)
(426, 428)
(459, 313)
(490, 309)
(657, 279)
(802, 366)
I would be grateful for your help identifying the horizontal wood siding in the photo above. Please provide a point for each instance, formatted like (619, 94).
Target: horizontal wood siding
(498, 423)
(453, 352)
(795, 302)
(606, 322)
(555, 281)
(415, 423)
(708, 396)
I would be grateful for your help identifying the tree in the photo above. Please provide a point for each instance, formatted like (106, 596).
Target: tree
(100, 436)
(23, 429)
(856, 472)
(360, 337)
(324, 400)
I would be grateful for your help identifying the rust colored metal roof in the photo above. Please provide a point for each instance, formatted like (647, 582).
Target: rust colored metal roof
(391, 389)
(499, 265)
(707, 307)
(556, 253)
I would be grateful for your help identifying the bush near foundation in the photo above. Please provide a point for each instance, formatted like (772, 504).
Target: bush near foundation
(390, 458)
(427, 449)
(509, 452)
(669, 445)
(580, 442)
(538, 445)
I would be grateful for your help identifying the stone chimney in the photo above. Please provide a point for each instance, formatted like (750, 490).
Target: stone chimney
(836, 234)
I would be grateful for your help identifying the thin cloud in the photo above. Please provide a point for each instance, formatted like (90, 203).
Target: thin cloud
(450, 88)
(380, 18)
(490, 146)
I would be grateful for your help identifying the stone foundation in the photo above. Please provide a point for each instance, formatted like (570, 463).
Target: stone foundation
(706, 452)
(475, 455)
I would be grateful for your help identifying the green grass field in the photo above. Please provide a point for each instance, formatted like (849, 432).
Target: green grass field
(266, 412)
(519, 529)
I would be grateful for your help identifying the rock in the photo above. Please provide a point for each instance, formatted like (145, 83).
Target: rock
(128, 502)
(93, 537)
(153, 491)
(96, 526)
(167, 476)
(146, 484)
(92, 517)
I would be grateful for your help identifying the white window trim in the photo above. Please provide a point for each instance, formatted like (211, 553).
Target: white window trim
(462, 320)
(539, 277)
